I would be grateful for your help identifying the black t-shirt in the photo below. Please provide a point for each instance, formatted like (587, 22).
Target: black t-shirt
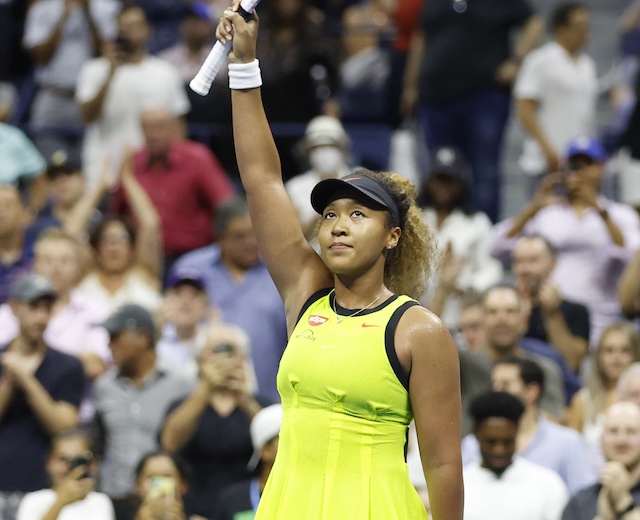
(24, 443)
(218, 454)
(463, 50)
(234, 502)
(575, 315)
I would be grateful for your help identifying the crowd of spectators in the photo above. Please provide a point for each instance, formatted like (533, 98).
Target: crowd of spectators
(140, 332)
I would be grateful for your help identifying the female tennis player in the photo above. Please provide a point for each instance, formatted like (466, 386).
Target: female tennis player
(363, 357)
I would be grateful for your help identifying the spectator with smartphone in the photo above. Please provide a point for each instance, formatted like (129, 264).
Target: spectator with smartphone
(113, 90)
(210, 428)
(594, 237)
(161, 483)
(72, 468)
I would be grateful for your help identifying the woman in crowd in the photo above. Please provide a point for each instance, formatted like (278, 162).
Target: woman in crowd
(363, 358)
(462, 235)
(210, 428)
(127, 263)
(161, 484)
(619, 346)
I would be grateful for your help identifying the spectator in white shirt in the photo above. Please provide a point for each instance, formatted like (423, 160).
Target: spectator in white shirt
(556, 91)
(72, 468)
(113, 90)
(501, 486)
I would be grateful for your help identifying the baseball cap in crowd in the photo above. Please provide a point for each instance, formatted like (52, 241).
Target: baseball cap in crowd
(359, 183)
(325, 131)
(185, 275)
(451, 162)
(62, 162)
(129, 317)
(265, 426)
(31, 287)
(586, 145)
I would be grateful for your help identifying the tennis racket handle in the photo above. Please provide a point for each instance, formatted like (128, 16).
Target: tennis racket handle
(201, 84)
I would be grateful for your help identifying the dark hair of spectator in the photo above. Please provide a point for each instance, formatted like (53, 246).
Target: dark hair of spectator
(470, 299)
(494, 404)
(464, 201)
(95, 235)
(74, 433)
(562, 14)
(530, 371)
(182, 467)
(228, 211)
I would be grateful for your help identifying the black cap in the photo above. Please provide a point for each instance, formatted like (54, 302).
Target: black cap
(451, 162)
(31, 287)
(129, 316)
(63, 162)
(361, 184)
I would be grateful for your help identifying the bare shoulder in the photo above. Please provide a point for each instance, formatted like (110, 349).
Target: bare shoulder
(422, 337)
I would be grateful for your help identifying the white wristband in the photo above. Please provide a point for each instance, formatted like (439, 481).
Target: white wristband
(244, 75)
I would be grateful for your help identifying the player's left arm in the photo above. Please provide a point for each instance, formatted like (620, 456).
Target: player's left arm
(434, 390)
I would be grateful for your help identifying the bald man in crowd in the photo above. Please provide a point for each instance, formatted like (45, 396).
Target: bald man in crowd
(183, 179)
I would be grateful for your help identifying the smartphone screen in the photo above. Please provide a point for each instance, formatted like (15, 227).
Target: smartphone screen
(162, 486)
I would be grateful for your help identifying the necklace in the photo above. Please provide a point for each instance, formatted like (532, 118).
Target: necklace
(341, 318)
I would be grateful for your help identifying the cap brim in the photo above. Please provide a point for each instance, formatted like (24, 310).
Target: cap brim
(41, 294)
(254, 460)
(324, 190)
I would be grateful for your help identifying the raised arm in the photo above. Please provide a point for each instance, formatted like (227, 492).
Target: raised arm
(295, 268)
(149, 253)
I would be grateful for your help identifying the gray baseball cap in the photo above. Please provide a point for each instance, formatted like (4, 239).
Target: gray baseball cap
(129, 316)
(31, 287)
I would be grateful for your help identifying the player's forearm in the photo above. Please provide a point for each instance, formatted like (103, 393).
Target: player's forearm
(183, 421)
(256, 152)
(573, 348)
(446, 494)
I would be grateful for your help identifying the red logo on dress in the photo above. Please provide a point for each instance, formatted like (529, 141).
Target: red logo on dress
(369, 325)
(315, 320)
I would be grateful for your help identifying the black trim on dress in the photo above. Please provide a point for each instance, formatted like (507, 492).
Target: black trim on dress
(313, 298)
(390, 343)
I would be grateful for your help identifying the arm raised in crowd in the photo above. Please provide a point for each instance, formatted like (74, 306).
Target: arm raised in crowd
(148, 254)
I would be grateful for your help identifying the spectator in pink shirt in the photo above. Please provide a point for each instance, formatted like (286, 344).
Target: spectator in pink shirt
(594, 237)
(184, 181)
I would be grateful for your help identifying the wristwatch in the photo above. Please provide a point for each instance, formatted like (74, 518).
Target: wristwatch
(628, 509)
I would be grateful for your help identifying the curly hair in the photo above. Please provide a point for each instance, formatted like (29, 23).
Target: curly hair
(410, 264)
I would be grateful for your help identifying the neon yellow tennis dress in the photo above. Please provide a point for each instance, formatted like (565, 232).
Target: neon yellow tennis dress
(346, 412)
